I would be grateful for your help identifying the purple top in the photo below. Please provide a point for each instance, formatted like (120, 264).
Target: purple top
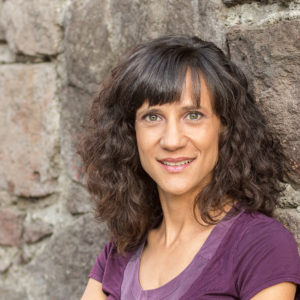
(241, 256)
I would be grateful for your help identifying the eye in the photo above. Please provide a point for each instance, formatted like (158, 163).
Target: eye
(151, 117)
(194, 115)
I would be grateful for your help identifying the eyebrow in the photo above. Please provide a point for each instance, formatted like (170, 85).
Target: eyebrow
(148, 109)
(157, 110)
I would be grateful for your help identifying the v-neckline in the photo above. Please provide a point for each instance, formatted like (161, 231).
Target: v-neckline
(201, 258)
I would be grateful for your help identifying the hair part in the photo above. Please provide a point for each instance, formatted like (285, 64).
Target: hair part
(251, 165)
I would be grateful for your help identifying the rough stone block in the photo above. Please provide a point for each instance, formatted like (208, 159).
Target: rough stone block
(7, 255)
(93, 46)
(62, 268)
(36, 230)
(73, 116)
(290, 218)
(236, 2)
(12, 294)
(290, 199)
(6, 55)
(29, 122)
(33, 26)
(270, 55)
(87, 50)
(2, 33)
(78, 199)
(11, 226)
(7, 199)
(211, 19)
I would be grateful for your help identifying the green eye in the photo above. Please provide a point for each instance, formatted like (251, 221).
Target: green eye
(151, 118)
(194, 116)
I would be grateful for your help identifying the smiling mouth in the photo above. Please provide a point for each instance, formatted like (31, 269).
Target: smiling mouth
(168, 163)
(176, 166)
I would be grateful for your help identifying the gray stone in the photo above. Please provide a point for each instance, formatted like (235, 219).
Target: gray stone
(236, 2)
(29, 123)
(11, 226)
(211, 18)
(290, 199)
(7, 255)
(257, 14)
(6, 55)
(36, 230)
(270, 55)
(155, 18)
(2, 32)
(93, 47)
(64, 264)
(87, 50)
(290, 218)
(33, 27)
(73, 116)
(11, 294)
(7, 199)
(78, 199)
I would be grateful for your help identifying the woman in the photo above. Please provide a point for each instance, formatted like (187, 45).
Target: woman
(186, 174)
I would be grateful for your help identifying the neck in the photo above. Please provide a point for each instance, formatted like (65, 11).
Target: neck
(179, 222)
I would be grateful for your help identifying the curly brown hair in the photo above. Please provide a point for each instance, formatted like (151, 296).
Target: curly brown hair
(251, 165)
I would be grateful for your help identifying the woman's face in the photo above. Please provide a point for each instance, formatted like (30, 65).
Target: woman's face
(178, 142)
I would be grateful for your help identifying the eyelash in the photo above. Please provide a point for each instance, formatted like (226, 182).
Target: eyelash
(199, 114)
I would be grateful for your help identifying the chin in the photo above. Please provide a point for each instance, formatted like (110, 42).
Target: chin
(177, 191)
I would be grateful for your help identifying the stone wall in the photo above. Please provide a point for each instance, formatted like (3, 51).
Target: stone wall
(53, 55)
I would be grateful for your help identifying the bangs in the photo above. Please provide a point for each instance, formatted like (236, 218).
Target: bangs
(159, 78)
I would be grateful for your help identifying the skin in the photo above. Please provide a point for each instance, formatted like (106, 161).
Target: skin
(179, 130)
(93, 291)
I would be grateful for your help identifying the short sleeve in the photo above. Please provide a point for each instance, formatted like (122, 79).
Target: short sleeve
(266, 255)
(98, 268)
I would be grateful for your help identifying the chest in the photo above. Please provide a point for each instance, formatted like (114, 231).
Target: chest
(159, 266)
(199, 280)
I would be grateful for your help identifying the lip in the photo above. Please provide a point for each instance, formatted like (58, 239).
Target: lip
(176, 169)
(175, 160)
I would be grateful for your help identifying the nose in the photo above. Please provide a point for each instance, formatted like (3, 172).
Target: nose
(173, 136)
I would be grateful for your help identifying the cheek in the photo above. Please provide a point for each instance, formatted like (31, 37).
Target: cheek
(146, 140)
(146, 149)
(209, 143)
(214, 149)
(142, 146)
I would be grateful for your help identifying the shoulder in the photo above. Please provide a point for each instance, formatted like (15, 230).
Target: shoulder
(99, 266)
(108, 261)
(257, 234)
(108, 249)
(257, 227)
(265, 253)
(106, 252)
(109, 255)
(109, 268)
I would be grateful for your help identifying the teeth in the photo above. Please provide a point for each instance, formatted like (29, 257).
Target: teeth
(176, 164)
